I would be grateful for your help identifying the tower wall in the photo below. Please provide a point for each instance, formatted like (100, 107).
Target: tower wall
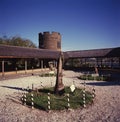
(50, 41)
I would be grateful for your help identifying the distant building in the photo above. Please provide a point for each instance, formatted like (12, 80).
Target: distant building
(51, 41)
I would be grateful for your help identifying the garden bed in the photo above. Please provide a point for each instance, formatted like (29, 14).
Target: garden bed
(58, 102)
(95, 77)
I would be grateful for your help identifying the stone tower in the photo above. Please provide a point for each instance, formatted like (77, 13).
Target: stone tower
(51, 41)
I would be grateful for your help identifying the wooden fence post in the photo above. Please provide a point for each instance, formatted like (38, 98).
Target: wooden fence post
(48, 101)
(84, 100)
(32, 101)
(68, 100)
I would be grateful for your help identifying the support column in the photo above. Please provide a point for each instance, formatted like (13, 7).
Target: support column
(42, 64)
(97, 61)
(111, 62)
(81, 62)
(25, 66)
(54, 64)
(3, 68)
(119, 62)
(72, 62)
(85, 61)
(101, 62)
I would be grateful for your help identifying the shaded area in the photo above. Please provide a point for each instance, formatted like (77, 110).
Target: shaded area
(15, 88)
(113, 73)
(47, 90)
(104, 83)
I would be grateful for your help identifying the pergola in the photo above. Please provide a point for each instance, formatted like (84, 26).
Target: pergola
(14, 52)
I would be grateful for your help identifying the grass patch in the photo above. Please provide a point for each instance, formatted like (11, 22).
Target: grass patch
(47, 75)
(58, 102)
(98, 78)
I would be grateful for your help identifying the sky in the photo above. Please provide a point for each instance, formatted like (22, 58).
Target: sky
(83, 24)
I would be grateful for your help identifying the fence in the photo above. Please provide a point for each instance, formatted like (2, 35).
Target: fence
(46, 100)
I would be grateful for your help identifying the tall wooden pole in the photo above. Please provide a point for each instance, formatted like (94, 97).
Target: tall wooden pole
(59, 86)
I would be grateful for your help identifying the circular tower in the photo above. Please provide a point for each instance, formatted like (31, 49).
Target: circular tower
(51, 41)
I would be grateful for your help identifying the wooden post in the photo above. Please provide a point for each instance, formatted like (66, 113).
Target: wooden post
(16, 70)
(25, 66)
(41, 64)
(119, 62)
(23, 98)
(85, 62)
(54, 63)
(101, 62)
(72, 62)
(97, 61)
(32, 86)
(111, 62)
(3, 68)
(84, 100)
(84, 84)
(41, 84)
(68, 101)
(32, 101)
(32, 70)
(93, 92)
(48, 101)
(81, 62)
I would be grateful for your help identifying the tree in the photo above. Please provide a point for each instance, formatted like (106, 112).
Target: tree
(59, 86)
(17, 41)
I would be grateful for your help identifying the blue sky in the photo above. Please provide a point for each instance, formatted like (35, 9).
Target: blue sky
(83, 24)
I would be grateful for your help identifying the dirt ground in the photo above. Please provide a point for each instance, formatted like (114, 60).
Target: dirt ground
(106, 106)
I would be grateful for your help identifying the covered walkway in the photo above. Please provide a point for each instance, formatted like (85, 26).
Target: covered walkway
(44, 56)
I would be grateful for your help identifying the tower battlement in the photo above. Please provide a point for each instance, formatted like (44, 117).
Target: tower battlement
(50, 41)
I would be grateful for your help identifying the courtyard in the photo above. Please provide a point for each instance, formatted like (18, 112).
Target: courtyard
(105, 108)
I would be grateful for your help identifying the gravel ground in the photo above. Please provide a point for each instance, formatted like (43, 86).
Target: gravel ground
(106, 106)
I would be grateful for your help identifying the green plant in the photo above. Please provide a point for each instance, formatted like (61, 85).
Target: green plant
(90, 77)
(58, 102)
(47, 75)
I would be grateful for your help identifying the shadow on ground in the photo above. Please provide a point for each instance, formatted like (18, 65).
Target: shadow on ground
(15, 88)
(104, 83)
